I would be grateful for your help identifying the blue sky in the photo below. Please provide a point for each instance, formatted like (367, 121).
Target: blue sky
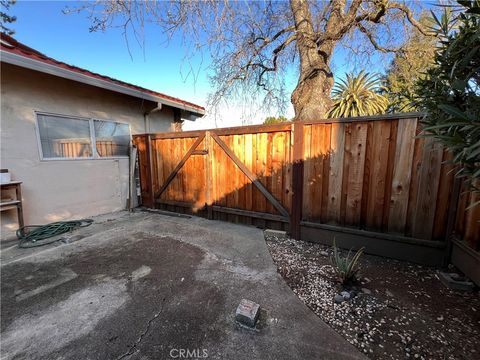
(157, 66)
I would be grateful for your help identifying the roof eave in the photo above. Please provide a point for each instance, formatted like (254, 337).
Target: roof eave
(40, 66)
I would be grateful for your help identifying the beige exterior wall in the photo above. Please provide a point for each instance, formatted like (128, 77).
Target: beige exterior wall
(64, 189)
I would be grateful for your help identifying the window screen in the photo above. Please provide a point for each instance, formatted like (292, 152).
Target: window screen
(112, 138)
(63, 137)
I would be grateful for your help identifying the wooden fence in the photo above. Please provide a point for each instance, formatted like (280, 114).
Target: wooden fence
(364, 181)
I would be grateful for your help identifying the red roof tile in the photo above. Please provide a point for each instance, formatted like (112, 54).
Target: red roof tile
(9, 44)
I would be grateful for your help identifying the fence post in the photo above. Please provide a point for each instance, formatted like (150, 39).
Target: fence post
(297, 180)
(148, 149)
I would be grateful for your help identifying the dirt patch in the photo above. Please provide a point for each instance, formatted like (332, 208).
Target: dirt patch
(403, 312)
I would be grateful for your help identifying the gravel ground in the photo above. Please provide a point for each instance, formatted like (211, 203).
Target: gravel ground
(403, 312)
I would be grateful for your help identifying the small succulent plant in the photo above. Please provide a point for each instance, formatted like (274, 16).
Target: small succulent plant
(346, 268)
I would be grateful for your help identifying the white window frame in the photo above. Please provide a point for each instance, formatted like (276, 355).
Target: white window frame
(92, 138)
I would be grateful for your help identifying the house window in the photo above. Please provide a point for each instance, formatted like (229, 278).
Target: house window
(63, 137)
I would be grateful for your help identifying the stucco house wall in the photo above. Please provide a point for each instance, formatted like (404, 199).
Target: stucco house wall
(64, 189)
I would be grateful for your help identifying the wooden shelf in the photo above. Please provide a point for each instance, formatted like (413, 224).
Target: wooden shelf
(11, 204)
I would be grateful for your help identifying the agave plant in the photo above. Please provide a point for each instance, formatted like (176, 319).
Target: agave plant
(358, 96)
(346, 268)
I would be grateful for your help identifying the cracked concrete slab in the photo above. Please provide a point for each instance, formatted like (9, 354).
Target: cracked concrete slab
(148, 286)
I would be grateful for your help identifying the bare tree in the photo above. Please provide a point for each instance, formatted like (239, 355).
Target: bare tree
(254, 45)
(5, 17)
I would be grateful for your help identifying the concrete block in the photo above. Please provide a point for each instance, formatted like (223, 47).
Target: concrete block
(247, 313)
(277, 233)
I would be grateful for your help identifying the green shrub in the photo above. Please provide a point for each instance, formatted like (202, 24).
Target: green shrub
(346, 268)
(450, 91)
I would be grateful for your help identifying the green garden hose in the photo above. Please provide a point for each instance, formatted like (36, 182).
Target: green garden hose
(33, 235)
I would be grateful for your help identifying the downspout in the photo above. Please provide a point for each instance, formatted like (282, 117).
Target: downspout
(146, 113)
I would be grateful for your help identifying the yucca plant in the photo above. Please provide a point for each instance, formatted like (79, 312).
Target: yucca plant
(358, 96)
(346, 268)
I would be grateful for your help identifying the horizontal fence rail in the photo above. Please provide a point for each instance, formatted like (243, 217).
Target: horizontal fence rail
(352, 178)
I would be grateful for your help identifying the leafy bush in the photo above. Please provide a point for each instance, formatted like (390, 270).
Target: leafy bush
(346, 268)
(450, 93)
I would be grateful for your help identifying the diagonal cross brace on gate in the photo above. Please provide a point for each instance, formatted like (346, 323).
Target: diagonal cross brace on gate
(253, 178)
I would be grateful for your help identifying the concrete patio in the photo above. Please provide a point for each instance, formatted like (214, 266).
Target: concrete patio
(145, 286)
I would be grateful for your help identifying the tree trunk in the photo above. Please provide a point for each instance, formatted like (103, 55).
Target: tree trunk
(311, 97)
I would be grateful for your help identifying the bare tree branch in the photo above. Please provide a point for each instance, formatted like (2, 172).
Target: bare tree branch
(254, 45)
(374, 42)
(409, 15)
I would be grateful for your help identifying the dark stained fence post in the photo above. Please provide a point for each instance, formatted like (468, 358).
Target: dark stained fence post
(297, 180)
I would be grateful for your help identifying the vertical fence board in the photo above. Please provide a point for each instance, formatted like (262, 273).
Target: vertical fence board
(378, 174)
(248, 162)
(402, 175)
(269, 169)
(297, 180)
(358, 140)
(444, 198)
(261, 168)
(277, 166)
(287, 172)
(428, 189)
(321, 150)
(308, 176)
(337, 144)
(390, 165)
(347, 160)
(366, 176)
(326, 151)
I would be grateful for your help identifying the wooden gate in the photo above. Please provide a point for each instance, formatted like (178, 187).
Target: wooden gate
(240, 174)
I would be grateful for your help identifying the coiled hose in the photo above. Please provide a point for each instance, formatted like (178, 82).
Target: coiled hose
(32, 235)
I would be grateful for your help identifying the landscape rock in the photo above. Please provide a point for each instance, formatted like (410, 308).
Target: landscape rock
(345, 295)
(366, 291)
(339, 298)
